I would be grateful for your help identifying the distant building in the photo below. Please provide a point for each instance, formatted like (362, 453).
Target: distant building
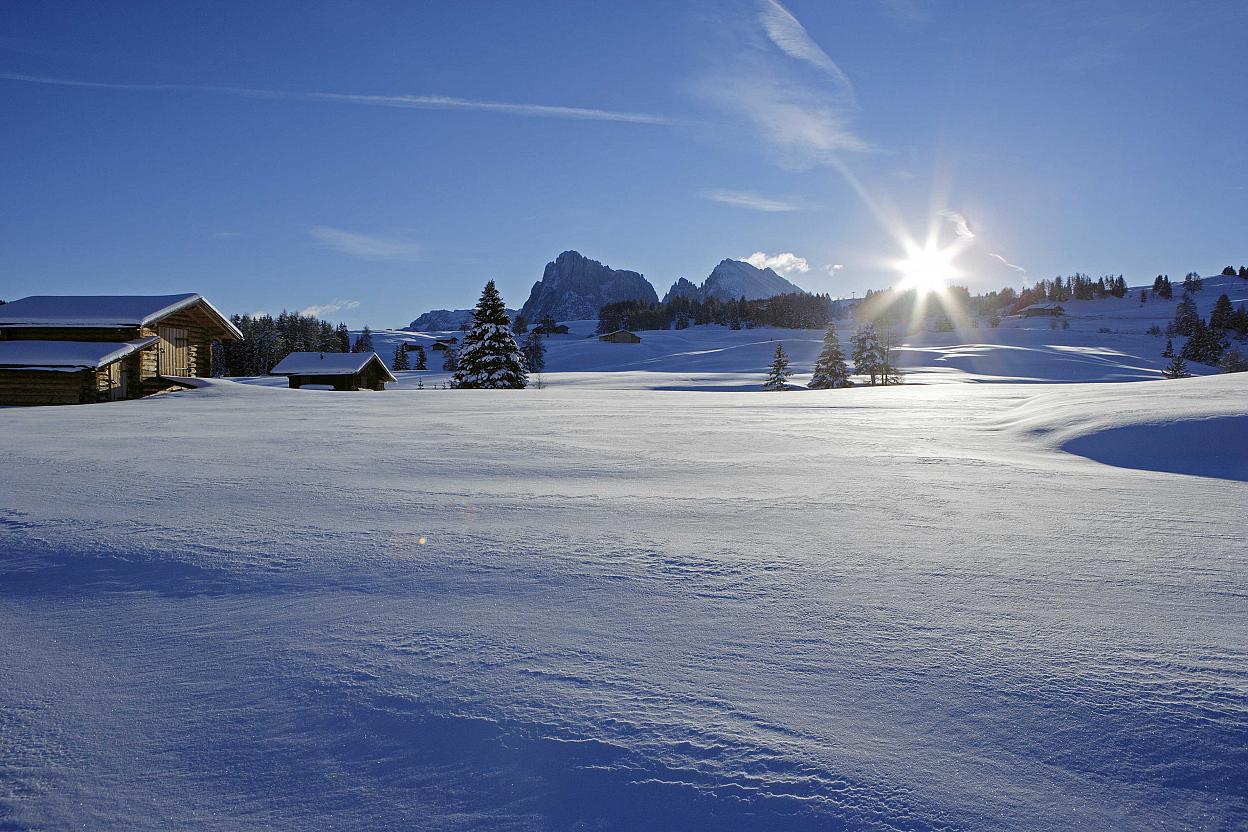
(551, 329)
(441, 344)
(620, 336)
(339, 370)
(95, 348)
(1040, 310)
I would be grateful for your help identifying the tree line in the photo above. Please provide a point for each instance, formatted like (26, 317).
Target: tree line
(267, 340)
(796, 310)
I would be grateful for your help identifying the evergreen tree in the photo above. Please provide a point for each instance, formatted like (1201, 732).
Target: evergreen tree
(1243, 272)
(1168, 352)
(1223, 315)
(1186, 317)
(1233, 361)
(534, 352)
(489, 357)
(1177, 368)
(420, 358)
(868, 353)
(450, 360)
(400, 359)
(830, 368)
(1229, 271)
(778, 375)
(365, 342)
(344, 338)
(520, 325)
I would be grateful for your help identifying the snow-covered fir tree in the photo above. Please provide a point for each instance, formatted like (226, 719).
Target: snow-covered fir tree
(830, 368)
(400, 359)
(489, 357)
(778, 375)
(365, 342)
(1177, 368)
(534, 352)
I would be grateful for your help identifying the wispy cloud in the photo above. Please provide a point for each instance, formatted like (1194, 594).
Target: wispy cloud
(418, 102)
(786, 262)
(1018, 269)
(367, 246)
(960, 225)
(762, 72)
(751, 200)
(833, 268)
(336, 305)
(791, 37)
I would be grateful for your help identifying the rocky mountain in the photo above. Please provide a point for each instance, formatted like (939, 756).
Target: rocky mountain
(734, 279)
(573, 287)
(438, 320)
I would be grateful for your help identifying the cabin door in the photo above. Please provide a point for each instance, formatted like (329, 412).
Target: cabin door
(117, 381)
(175, 351)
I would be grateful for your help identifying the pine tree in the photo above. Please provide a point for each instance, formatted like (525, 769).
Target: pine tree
(1168, 352)
(520, 325)
(420, 358)
(1177, 368)
(778, 376)
(1233, 361)
(489, 358)
(344, 338)
(830, 370)
(365, 342)
(868, 353)
(534, 352)
(400, 359)
(450, 360)
(1223, 314)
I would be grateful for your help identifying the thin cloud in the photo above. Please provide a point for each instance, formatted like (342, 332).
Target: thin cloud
(751, 200)
(1018, 269)
(418, 102)
(762, 74)
(960, 225)
(366, 246)
(833, 268)
(786, 262)
(336, 305)
(908, 12)
(791, 37)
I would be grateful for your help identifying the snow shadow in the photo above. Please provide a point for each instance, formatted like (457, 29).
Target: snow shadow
(1215, 447)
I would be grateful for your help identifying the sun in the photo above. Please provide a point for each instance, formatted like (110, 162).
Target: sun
(926, 269)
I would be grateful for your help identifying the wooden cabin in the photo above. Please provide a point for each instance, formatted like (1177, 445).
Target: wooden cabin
(620, 336)
(551, 329)
(338, 370)
(83, 349)
(443, 344)
(1042, 310)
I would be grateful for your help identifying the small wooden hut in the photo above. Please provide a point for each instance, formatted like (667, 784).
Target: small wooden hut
(338, 370)
(93, 348)
(620, 336)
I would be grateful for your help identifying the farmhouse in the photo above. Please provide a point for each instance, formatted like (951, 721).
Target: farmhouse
(620, 336)
(339, 370)
(96, 348)
(1040, 310)
(441, 344)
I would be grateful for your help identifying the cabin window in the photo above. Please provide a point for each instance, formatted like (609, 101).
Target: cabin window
(175, 351)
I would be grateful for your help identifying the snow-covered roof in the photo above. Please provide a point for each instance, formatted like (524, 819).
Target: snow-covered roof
(328, 364)
(101, 310)
(66, 355)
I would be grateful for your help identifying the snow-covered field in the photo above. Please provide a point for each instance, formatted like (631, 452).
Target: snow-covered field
(923, 607)
(625, 602)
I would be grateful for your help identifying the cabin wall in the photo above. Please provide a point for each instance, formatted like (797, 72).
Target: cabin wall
(32, 387)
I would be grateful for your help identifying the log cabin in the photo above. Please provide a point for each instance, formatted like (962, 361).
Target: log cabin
(337, 370)
(84, 349)
(620, 336)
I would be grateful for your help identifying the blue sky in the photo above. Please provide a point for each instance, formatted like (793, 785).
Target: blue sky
(377, 159)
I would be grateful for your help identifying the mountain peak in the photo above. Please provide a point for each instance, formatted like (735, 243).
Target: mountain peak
(732, 279)
(573, 287)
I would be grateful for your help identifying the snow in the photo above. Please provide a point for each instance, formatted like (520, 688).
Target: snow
(66, 355)
(98, 310)
(327, 364)
(979, 604)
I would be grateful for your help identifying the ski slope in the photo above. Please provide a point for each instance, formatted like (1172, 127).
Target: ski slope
(928, 607)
